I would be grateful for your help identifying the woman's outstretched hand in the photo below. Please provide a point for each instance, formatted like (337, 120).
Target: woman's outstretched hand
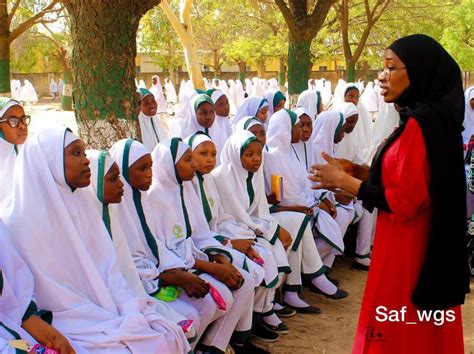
(327, 176)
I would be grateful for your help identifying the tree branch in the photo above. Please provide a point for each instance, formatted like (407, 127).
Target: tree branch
(287, 15)
(27, 24)
(12, 12)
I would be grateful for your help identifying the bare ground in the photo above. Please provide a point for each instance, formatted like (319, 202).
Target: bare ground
(332, 332)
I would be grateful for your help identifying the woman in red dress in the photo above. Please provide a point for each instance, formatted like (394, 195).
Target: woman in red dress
(419, 275)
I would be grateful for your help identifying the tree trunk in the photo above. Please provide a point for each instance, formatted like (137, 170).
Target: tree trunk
(261, 70)
(350, 71)
(299, 59)
(281, 71)
(103, 62)
(4, 64)
(66, 95)
(242, 70)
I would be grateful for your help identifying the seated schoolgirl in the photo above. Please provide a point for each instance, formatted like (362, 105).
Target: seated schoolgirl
(107, 189)
(181, 223)
(64, 242)
(152, 127)
(13, 132)
(251, 107)
(22, 326)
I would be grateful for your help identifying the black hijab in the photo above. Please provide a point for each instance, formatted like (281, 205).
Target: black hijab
(435, 100)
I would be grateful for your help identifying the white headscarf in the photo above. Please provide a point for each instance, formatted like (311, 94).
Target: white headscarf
(28, 93)
(235, 186)
(249, 107)
(170, 91)
(16, 292)
(53, 86)
(152, 127)
(101, 162)
(369, 98)
(468, 123)
(8, 154)
(136, 220)
(223, 123)
(310, 100)
(74, 262)
(157, 91)
(178, 211)
(355, 145)
(190, 125)
(303, 149)
(324, 131)
(270, 96)
(387, 120)
(281, 160)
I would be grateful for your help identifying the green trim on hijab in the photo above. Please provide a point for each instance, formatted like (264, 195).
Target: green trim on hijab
(200, 99)
(293, 116)
(246, 144)
(340, 125)
(137, 201)
(174, 152)
(143, 93)
(277, 98)
(249, 121)
(100, 190)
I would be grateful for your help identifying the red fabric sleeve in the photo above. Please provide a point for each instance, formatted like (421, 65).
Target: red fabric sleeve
(409, 176)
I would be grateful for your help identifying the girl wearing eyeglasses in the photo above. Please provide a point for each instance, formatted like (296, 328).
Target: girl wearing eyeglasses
(13, 132)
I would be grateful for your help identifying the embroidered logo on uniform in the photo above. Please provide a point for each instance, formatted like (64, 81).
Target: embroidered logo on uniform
(211, 202)
(178, 231)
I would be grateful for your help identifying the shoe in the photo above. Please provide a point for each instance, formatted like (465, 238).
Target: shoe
(280, 329)
(248, 348)
(262, 333)
(312, 310)
(340, 294)
(285, 312)
(359, 266)
(332, 280)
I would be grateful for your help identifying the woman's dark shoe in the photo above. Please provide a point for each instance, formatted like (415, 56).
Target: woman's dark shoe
(340, 294)
(280, 329)
(312, 310)
(285, 312)
(262, 333)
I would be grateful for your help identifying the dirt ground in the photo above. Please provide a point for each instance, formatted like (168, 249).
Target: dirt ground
(332, 332)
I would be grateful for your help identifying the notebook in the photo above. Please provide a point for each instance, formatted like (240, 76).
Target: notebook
(277, 187)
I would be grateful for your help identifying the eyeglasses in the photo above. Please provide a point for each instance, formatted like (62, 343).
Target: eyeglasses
(14, 122)
(387, 72)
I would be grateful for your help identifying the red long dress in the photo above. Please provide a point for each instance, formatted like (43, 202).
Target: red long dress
(398, 254)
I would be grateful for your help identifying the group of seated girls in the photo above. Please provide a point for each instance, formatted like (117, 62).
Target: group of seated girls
(174, 245)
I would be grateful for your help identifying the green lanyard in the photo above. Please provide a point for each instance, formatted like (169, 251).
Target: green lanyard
(250, 190)
(205, 202)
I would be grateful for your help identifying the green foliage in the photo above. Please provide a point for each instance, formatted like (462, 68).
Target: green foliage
(33, 54)
(158, 39)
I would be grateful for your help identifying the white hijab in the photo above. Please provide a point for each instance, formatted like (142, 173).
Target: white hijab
(235, 186)
(100, 164)
(249, 107)
(170, 91)
(152, 128)
(324, 131)
(310, 100)
(157, 91)
(72, 259)
(222, 123)
(270, 97)
(387, 120)
(8, 154)
(134, 218)
(281, 160)
(16, 293)
(303, 149)
(178, 211)
(468, 116)
(369, 98)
